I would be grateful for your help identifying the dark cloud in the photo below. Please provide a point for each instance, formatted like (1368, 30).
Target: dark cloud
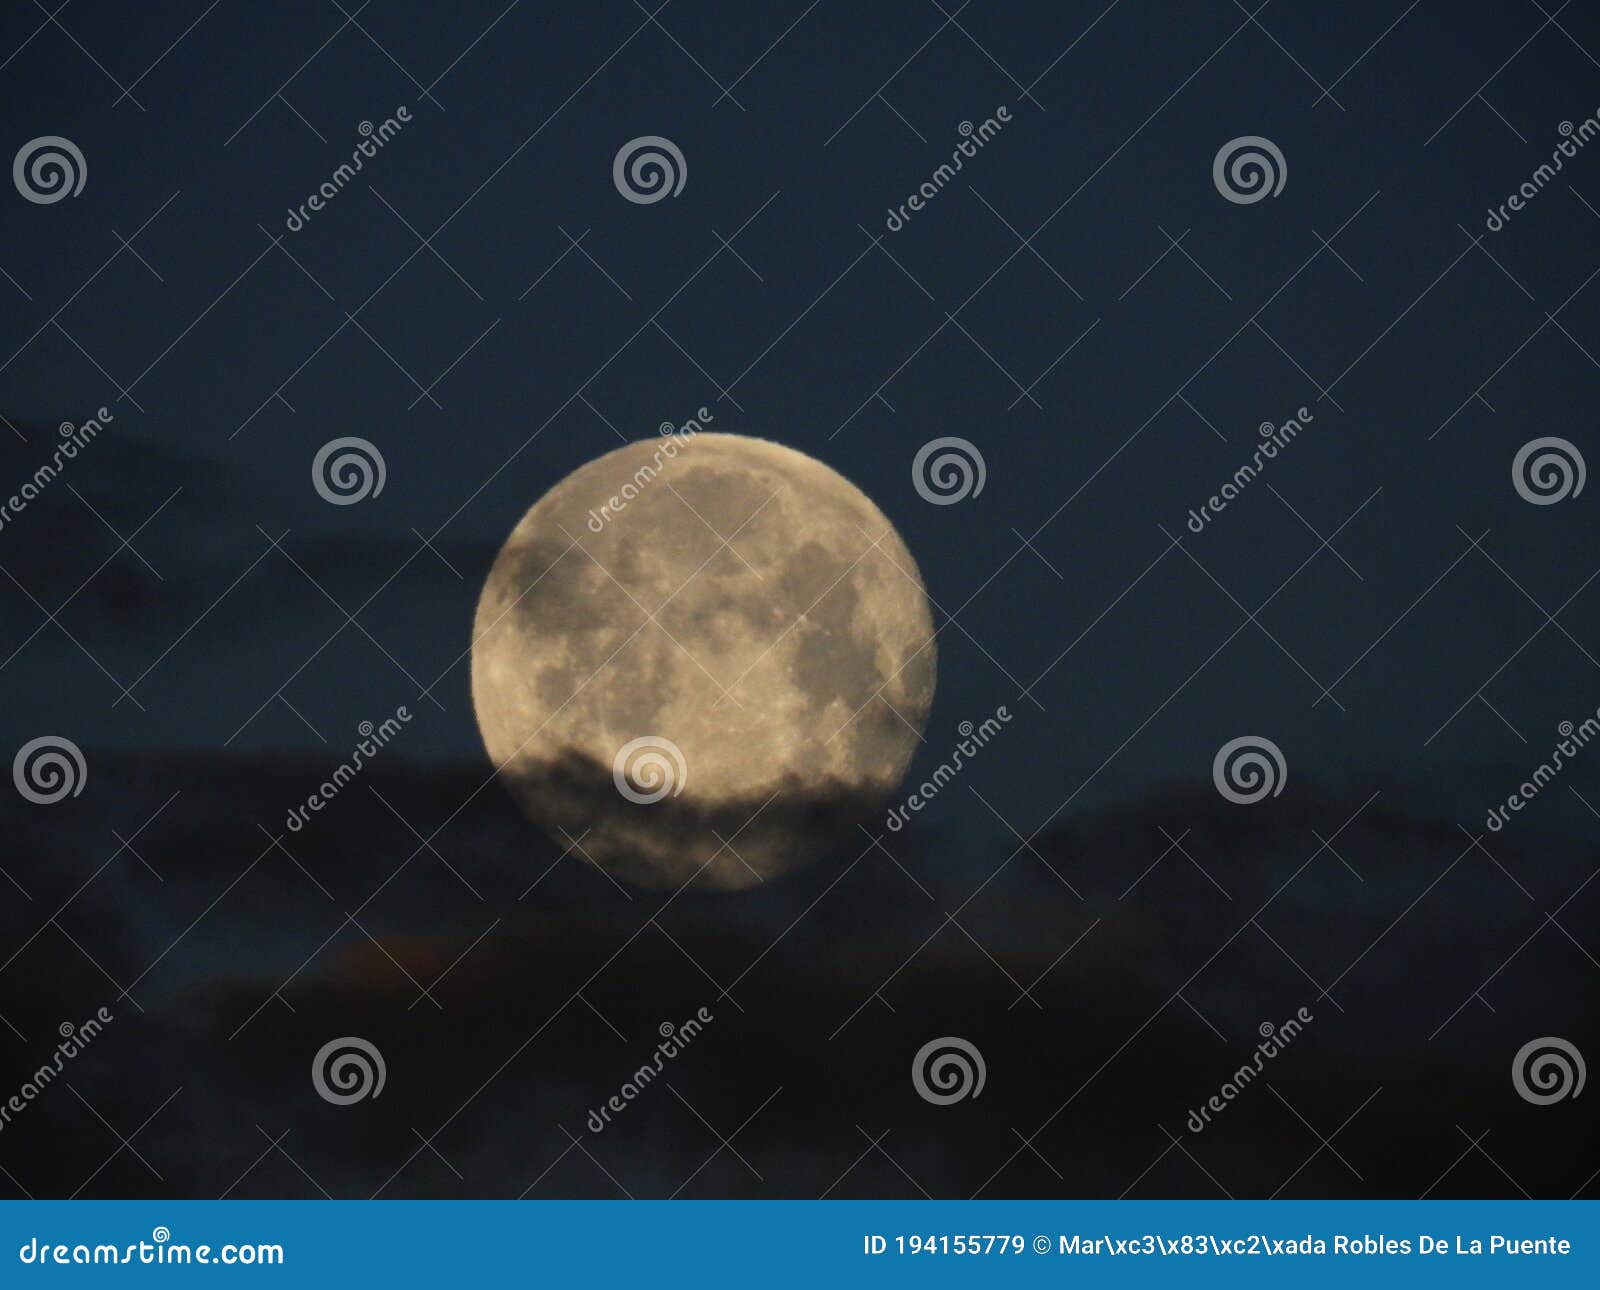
(834, 978)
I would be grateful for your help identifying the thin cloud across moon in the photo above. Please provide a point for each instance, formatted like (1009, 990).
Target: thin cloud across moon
(702, 655)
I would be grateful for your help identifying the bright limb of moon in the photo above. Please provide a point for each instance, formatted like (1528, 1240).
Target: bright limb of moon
(733, 611)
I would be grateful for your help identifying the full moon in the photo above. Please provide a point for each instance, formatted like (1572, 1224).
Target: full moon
(702, 657)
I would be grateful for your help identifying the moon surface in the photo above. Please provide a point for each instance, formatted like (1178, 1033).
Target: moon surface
(703, 656)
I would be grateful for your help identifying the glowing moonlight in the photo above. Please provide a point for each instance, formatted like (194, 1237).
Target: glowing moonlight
(702, 655)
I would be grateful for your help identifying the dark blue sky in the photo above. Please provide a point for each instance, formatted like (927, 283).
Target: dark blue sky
(1111, 144)
(1083, 305)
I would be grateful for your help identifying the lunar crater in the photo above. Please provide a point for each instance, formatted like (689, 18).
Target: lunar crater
(749, 606)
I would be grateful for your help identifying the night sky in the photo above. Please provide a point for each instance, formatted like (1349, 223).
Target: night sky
(1083, 305)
